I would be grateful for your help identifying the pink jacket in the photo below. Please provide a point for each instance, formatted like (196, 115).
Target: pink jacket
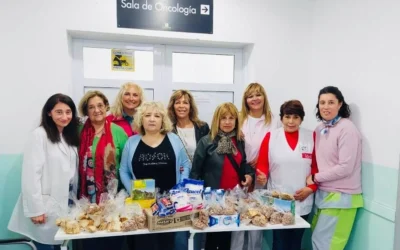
(339, 158)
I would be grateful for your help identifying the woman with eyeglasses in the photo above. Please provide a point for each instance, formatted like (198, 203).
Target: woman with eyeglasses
(100, 152)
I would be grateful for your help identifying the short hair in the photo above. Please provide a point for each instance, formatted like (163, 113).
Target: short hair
(117, 108)
(344, 110)
(292, 107)
(222, 110)
(83, 104)
(193, 112)
(70, 132)
(257, 88)
(166, 125)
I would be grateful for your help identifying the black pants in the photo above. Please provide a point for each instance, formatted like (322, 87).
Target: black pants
(108, 243)
(218, 241)
(288, 239)
(161, 241)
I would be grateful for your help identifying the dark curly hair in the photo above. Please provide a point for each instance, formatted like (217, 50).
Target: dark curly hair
(344, 110)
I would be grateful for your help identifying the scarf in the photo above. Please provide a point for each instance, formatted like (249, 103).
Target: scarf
(328, 124)
(94, 176)
(225, 144)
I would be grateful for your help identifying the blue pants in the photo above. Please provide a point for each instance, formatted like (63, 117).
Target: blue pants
(41, 246)
(288, 239)
(181, 241)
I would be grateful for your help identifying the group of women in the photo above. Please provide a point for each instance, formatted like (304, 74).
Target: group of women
(67, 159)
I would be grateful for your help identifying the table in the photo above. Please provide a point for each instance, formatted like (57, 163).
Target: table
(61, 235)
(299, 223)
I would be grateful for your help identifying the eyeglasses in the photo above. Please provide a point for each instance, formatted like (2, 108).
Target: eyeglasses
(99, 107)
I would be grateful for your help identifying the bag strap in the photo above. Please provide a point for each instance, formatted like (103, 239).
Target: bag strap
(184, 146)
(236, 167)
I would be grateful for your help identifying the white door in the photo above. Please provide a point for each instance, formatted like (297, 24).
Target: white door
(213, 75)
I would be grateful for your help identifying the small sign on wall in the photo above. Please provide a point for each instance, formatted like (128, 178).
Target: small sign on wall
(195, 16)
(123, 60)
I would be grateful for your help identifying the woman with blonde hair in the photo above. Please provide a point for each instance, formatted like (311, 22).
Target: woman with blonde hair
(101, 145)
(256, 120)
(155, 153)
(129, 98)
(182, 111)
(220, 160)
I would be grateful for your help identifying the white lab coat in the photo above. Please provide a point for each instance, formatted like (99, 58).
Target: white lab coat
(47, 170)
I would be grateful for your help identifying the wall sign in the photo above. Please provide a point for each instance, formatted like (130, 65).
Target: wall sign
(123, 60)
(194, 16)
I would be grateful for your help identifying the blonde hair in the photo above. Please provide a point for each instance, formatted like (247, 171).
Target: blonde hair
(117, 108)
(223, 110)
(166, 125)
(83, 104)
(193, 112)
(255, 88)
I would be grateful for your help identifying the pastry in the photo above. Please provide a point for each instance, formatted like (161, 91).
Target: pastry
(287, 219)
(72, 227)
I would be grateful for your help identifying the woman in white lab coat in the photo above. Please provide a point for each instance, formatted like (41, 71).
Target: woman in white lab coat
(49, 173)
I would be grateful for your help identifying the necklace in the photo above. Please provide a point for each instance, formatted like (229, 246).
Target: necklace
(99, 132)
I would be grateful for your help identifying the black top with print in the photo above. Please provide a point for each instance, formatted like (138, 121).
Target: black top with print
(156, 163)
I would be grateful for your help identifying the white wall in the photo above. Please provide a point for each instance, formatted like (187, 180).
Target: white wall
(37, 63)
(355, 46)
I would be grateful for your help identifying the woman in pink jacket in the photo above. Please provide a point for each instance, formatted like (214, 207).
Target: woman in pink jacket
(338, 153)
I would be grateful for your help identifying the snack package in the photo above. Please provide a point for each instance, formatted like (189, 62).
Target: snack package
(207, 196)
(71, 225)
(281, 202)
(251, 211)
(259, 220)
(163, 206)
(276, 218)
(224, 220)
(222, 203)
(194, 190)
(139, 217)
(288, 219)
(215, 205)
(180, 199)
(144, 192)
(200, 222)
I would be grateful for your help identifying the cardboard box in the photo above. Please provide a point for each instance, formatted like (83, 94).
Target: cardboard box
(182, 219)
(224, 220)
(144, 192)
(281, 205)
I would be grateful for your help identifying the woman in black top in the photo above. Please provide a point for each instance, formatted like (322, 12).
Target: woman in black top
(155, 153)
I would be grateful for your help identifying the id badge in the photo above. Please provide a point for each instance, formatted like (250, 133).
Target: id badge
(305, 151)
